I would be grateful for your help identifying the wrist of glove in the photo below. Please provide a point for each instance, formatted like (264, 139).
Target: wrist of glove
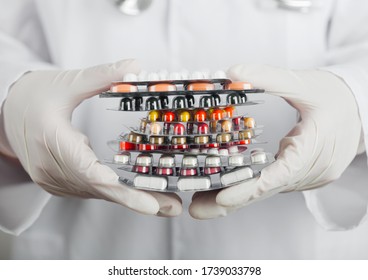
(315, 152)
(37, 121)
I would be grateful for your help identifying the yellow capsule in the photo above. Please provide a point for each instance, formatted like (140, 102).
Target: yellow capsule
(245, 134)
(154, 116)
(158, 140)
(184, 116)
(223, 138)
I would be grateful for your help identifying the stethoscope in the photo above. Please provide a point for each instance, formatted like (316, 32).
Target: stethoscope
(136, 7)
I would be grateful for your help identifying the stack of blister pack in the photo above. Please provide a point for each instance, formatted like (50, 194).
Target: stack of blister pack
(191, 135)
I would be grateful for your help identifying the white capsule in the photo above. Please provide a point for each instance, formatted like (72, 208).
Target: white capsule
(258, 158)
(204, 151)
(143, 160)
(197, 75)
(194, 151)
(219, 74)
(190, 161)
(174, 76)
(143, 76)
(150, 182)
(192, 184)
(224, 152)
(236, 160)
(213, 151)
(153, 76)
(121, 158)
(233, 150)
(166, 161)
(213, 161)
(130, 77)
(236, 176)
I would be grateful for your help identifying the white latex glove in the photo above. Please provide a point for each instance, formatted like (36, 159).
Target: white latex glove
(37, 118)
(315, 152)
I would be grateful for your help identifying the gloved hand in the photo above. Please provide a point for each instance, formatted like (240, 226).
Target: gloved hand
(37, 118)
(315, 152)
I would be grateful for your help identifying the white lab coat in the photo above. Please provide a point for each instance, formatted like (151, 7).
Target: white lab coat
(191, 34)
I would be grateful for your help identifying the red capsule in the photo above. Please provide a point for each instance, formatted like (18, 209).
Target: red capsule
(180, 147)
(212, 145)
(127, 146)
(236, 122)
(168, 116)
(217, 114)
(147, 147)
(202, 128)
(242, 142)
(179, 129)
(200, 115)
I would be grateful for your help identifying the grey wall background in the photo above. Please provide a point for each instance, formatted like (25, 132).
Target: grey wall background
(5, 241)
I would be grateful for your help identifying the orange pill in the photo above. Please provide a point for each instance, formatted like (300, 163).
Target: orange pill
(239, 86)
(200, 115)
(229, 111)
(121, 88)
(218, 114)
(200, 86)
(161, 87)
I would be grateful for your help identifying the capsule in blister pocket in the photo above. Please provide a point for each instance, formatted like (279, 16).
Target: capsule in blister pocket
(143, 163)
(166, 165)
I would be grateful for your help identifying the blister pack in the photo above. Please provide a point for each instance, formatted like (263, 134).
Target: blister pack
(191, 136)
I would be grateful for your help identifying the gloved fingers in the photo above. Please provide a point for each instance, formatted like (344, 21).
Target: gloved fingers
(247, 192)
(277, 81)
(91, 81)
(204, 206)
(136, 200)
(58, 190)
(301, 186)
(293, 161)
(77, 166)
(170, 204)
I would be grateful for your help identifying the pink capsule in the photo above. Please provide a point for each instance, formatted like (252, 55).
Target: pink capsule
(165, 171)
(212, 170)
(188, 172)
(141, 169)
